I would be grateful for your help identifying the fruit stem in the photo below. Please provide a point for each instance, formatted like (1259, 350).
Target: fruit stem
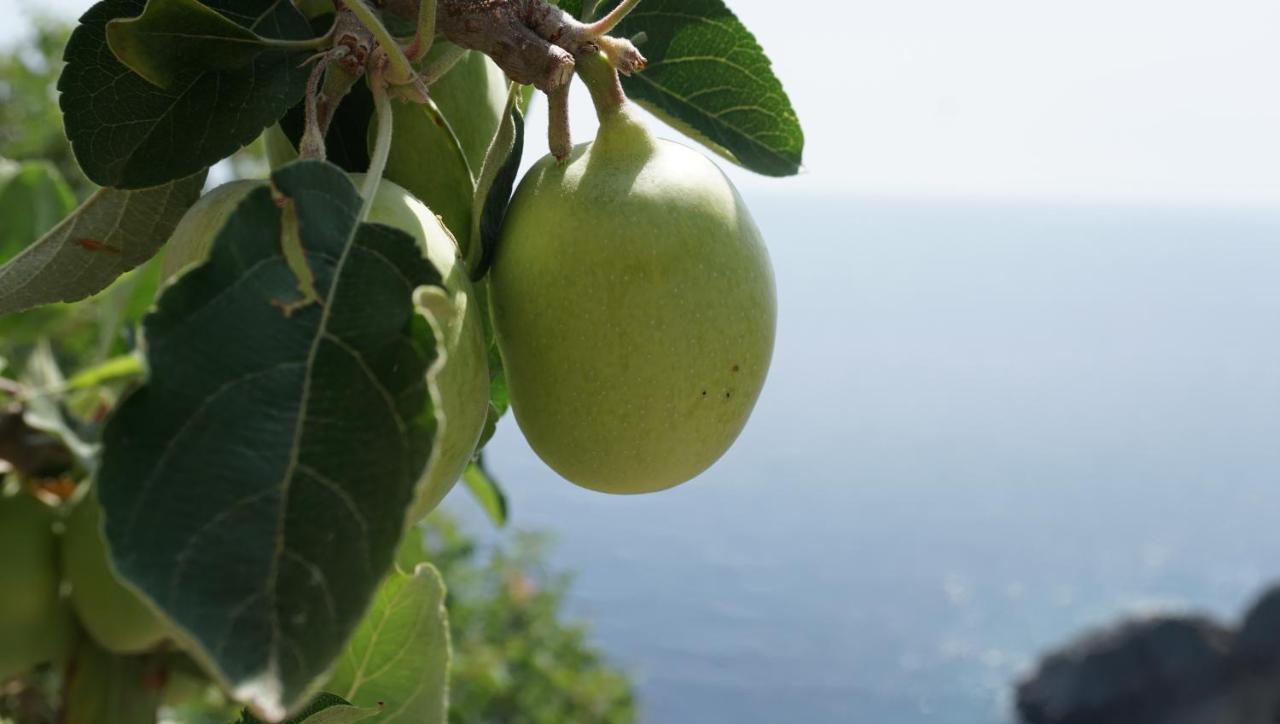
(601, 78)
(436, 69)
(609, 22)
(426, 34)
(559, 138)
(381, 144)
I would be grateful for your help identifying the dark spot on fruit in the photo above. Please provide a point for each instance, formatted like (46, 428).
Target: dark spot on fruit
(735, 368)
(704, 393)
(727, 395)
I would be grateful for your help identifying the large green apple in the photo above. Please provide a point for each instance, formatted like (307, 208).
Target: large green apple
(35, 622)
(114, 615)
(634, 306)
(463, 381)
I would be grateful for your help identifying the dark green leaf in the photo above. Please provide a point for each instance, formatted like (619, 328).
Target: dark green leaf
(486, 492)
(493, 191)
(399, 657)
(31, 202)
(176, 38)
(255, 489)
(112, 232)
(323, 704)
(102, 687)
(129, 133)
(708, 78)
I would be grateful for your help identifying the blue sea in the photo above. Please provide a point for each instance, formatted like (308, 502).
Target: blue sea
(987, 426)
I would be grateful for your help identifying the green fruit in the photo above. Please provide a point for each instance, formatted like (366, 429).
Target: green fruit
(279, 148)
(193, 237)
(473, 96)
(463, 380)
(114, 615)
(35, 622)
(634, 305)
(428, 161)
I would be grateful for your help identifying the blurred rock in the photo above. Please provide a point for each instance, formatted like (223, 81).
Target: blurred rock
(1163, 670)
(1258, 644)
(1138, 672)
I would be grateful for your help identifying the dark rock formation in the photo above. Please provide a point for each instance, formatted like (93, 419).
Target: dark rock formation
(1137, 671)
(1163, 670)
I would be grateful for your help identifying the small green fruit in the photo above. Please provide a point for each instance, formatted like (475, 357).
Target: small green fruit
(427, 162)
(463, 381)
(35, 621)
(472, 95)
(634, 306)
(114, 615)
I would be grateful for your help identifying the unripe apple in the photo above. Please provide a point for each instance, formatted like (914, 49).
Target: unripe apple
(425, 160)
(35, 621)
(472, 96)
(463, 381)
(114, 615)
(634, 306)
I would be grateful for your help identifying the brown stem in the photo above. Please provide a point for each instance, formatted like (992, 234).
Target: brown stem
(534, 42)
(558, 134)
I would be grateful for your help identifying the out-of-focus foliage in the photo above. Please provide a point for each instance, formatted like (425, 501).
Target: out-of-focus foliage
(30, 123)
(515, 660)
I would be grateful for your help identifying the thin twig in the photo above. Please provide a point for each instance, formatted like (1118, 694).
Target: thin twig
(382, 142)
(609, 22)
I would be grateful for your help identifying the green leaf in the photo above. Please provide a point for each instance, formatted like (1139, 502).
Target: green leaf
(399, 656)
(102, 687)
(486, 492)
(709, 79)
(255, 489)
(32, 200)
(324, 709)
(112, 232)
(173, 38)
(493, 189)
(129, 133)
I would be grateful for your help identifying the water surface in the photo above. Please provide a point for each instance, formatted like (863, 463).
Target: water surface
(987, 425)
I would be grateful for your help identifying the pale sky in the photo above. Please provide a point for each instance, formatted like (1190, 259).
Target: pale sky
(1162, 100)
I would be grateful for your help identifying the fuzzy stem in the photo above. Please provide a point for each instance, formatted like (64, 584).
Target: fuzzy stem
(610, 21)
(402, 69)
(426, 31)
(558, 137)
(436, 69)
(381, 144)
(601, 78)
(311, 145)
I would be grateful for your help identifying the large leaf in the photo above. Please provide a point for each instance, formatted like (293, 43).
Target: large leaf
(112, 232)
(255, 489)
(709, 78)
(399, 657)
(174, 37)
(32, 200)
(129, 133)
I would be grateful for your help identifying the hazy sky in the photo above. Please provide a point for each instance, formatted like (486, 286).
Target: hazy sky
(1097, 99)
